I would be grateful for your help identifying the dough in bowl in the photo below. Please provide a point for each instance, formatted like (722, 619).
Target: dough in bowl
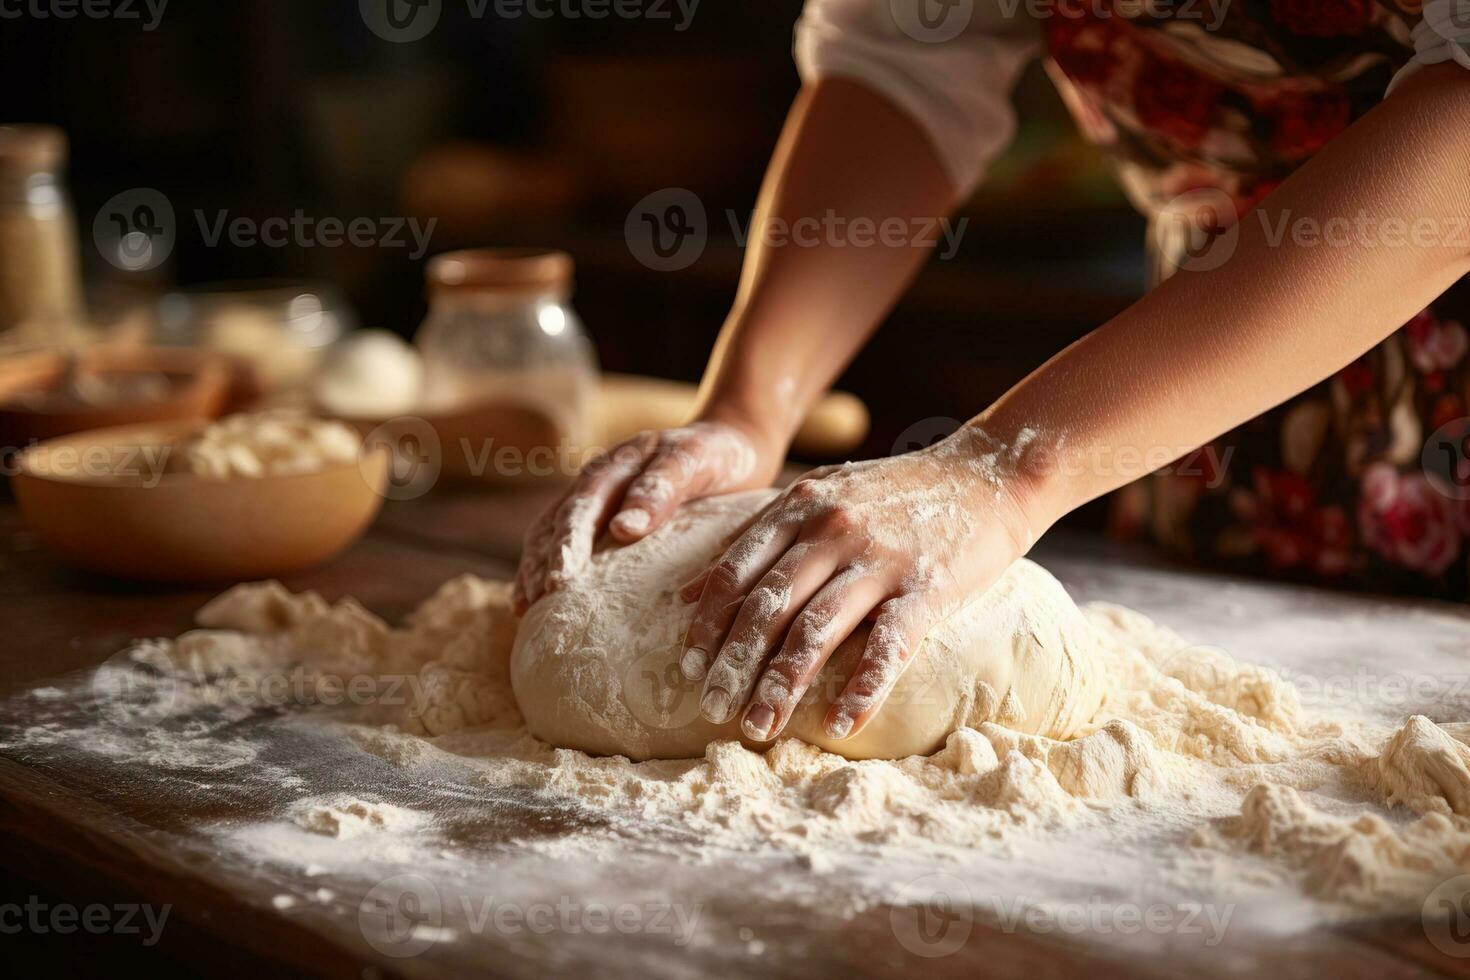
(596, 664)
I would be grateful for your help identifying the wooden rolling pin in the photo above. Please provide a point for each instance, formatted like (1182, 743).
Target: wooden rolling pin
(631, 403)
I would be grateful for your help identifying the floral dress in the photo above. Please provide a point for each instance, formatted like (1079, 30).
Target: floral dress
(1361, 481)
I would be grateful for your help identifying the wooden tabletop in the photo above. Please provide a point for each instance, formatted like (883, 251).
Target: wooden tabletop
(69, 836)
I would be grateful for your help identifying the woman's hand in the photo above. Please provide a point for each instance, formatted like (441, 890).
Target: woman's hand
(908, 540)
(632, 489)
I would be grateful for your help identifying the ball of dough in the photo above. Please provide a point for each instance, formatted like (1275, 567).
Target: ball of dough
(370, 374)
(596, 664)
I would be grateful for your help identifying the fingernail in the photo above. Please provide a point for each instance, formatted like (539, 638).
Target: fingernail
(694, 663)
(631, 522)
(839, 727)
(758, 722)
(716, 705)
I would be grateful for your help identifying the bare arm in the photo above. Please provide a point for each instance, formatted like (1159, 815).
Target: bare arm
(803, 311)
(908, 540)
(1327, 267)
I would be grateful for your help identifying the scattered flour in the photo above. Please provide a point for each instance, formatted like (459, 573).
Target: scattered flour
(1215, 754)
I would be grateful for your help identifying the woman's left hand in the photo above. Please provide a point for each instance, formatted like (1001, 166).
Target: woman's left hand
(907, 540)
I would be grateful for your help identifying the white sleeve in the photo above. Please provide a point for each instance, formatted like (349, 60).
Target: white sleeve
(1443, 35)
(952, 75)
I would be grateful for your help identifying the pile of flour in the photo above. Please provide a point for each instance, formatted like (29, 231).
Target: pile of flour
(1221, 755)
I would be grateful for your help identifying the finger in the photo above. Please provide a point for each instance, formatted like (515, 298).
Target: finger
(896, 636)
(735, 574)
(585, 510)
(694, 588)
(531, 574)
(828, 619)
(669, 479)
(763, 618)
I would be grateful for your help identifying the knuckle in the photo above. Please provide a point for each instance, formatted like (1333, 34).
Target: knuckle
(840, 520)
(724, 577)
(805, 490)
(808, 633)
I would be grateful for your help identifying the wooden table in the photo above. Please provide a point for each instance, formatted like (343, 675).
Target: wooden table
(67, 836)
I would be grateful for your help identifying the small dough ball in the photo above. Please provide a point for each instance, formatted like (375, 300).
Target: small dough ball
(370, 374)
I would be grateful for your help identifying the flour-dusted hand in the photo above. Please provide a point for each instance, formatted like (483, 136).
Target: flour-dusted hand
(906, 540)
(631, 490)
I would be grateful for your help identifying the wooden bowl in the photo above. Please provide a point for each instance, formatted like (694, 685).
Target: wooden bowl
(199, 383)
(105, 504)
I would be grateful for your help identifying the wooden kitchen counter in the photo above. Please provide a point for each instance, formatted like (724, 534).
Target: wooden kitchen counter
(76, 834)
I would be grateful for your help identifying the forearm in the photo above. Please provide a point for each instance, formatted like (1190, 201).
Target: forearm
(812, 291)
(1208, 350)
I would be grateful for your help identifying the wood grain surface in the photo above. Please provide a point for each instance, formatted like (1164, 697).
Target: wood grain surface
(69, 836)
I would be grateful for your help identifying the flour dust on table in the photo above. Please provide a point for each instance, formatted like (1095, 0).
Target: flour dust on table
(1058, 755)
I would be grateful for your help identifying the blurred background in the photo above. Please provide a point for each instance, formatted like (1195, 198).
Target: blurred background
(542, 131)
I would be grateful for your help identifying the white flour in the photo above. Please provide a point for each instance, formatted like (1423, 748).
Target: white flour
(1202, 778)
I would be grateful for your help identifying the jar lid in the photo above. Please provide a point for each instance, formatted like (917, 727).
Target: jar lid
(32, 147)
(500, 270)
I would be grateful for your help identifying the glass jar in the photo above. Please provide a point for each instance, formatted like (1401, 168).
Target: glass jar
(281, 328)
(501, 329)
(40, 281)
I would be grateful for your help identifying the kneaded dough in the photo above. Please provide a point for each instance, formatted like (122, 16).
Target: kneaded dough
(596, 664)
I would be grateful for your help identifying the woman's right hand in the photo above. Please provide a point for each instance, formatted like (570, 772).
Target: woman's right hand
(632, 489)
